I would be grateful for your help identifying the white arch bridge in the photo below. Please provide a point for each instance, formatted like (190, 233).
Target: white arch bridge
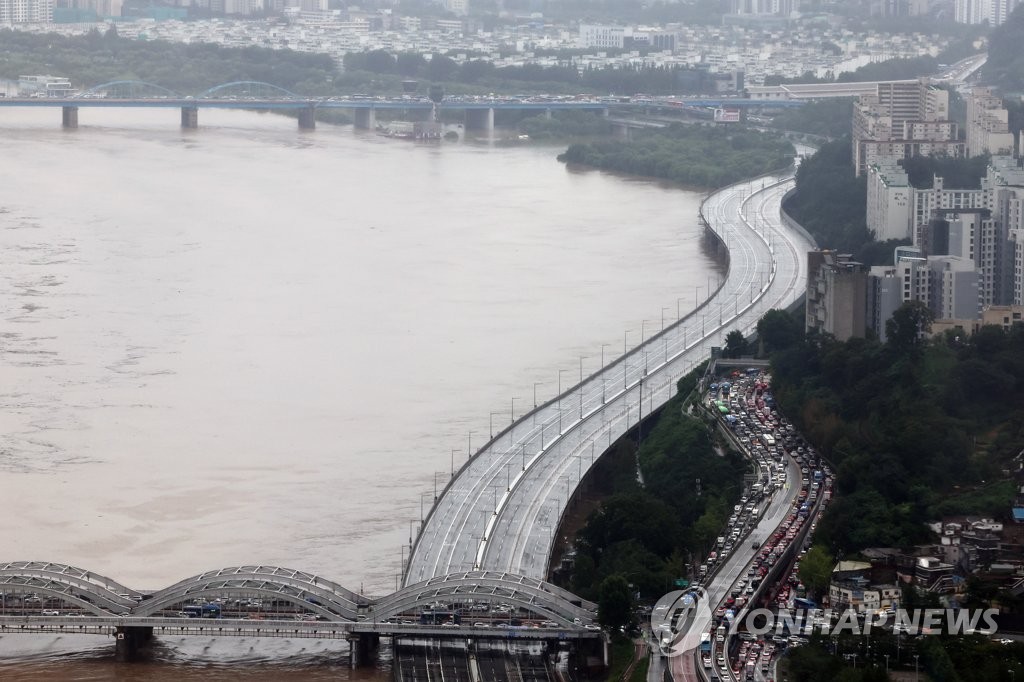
(272, 601)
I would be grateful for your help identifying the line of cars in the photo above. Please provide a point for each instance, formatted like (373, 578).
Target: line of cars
(769, 439)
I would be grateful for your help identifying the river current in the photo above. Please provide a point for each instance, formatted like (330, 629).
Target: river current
(249, 344)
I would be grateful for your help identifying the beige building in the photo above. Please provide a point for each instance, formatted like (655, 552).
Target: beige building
(987, 128)
(836, 294)
(903, 119)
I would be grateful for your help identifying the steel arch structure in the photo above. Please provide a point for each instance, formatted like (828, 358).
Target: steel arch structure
(96, 604)
(249, 88)
(104, 597)
(484, 586)
(309, 591)
(129, 90)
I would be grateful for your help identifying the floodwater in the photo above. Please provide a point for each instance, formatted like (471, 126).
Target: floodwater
(248, 344)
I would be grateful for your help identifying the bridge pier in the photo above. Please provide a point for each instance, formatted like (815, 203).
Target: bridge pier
(129, 641)
(622, 131)
(69, 117)
(361, 648)
(190, 117)
(366, 118)
(307, 118)
(480, 119)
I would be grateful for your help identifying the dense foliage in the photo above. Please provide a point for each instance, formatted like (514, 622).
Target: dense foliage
(830, 202)
(1005, 65)
(914, 427)
(648, 533)
(381, 70)
(693, 155)
(565, 124)
(828, 118)
(96, 58)
(955, 173)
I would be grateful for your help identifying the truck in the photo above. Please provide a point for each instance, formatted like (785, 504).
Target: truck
(705, 644)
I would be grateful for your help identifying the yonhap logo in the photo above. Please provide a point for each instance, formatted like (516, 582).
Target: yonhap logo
(679, 621)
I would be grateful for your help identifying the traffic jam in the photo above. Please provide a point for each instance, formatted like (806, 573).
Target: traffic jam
(745, 406)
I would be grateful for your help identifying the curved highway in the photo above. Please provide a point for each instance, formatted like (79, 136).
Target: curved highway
(501, 510)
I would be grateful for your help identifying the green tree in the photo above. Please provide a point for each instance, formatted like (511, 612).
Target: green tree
(615, 604)
(816, 569)
(907, 327)
(777, 330)
(735, 344)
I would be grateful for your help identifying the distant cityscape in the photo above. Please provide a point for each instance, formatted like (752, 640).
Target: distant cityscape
(759, 39)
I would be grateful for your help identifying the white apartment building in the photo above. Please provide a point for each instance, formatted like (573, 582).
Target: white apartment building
(903, 119)
(459, 7)
(994, 12)
(981, 226)
(26, 11)
(947, 285)
(604, 36)
(987, 124)
(888, 210)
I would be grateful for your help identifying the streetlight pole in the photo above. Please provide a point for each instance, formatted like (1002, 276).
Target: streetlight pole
(581, 386)
(514, 399)
(469, 445)
(560, 400)
(453, 461)
(535, 385)
(422, 495)
(490, 421)
(663, 318)
(679, 314)
(625, 345)
(603, 346)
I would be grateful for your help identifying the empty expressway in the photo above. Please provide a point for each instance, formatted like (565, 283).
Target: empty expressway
(501, 510)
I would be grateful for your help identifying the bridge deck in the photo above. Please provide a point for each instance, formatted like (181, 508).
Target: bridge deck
(501, 510)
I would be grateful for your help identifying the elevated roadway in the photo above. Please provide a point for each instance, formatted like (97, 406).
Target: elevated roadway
(501, 510)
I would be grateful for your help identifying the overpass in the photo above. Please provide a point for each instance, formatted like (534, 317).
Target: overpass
(956, 74)
(502, 509)
(478, 112)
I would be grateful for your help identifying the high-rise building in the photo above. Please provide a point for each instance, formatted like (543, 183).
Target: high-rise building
(903, 119)
(779, 8)
(836, 291)
(947, 285)
(993, 12)
(26, 11)
(987, 124)
(888, 210)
